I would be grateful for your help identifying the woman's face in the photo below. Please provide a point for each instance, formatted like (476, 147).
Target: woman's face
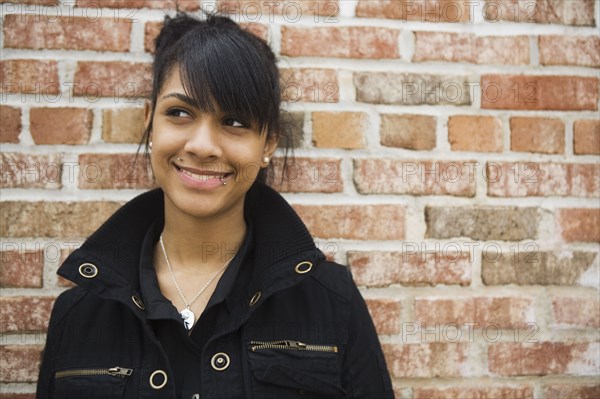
(204, 163)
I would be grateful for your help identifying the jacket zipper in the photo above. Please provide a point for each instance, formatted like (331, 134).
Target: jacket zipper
(291, 345)
(113, 371)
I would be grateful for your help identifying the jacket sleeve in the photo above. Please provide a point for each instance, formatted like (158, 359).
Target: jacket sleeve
(365, 370)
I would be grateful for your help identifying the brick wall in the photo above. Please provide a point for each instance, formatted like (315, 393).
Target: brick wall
(448, 153)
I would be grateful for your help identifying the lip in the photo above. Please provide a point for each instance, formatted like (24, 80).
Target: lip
(202, 179)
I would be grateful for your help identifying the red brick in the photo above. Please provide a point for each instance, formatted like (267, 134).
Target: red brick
(475, 392)
(543, 358)
(360, 222)
(64, 220)
(8, 395)
(413, 267)
(308, 175)
(112, 79)
(427, 360)
(385, 314)
(570, 50)
(467, 47)
(21, 170)
(20, 363)
(391, 176)
(339, 129)
(25, 314)
(475, 133)
(309, 85)
(579, 224)
(70, 33)
(415, 10)
(20, 268)
(182, 5)
(502, 312)
(586, 137)
(414, 132)
(291, 9)
(577, 312)
(567, 12)
(343, 42)
(113, 171)
(543, 92)
(544, 135)
(61, 125)
(572, 391)
(526, 179)
(123, 125)
(36, 2)
(29, 76)
(10, 124)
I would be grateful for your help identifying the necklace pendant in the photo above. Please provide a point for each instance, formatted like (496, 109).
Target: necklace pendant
(188, 318)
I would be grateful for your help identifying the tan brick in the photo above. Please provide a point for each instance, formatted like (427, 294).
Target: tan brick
(385, 314)
(70, 33)
(529, 92)
(339, 129)
(475, 392)
(586, 137)
(413, 267)
(21, 170)
(20, 268)
(29, 76)
(467, 47)
(576, 312)
(526, 179)
(124, 125)
(182, 5)
(112, 79)
(53, 219)
(415, 10)
(475, 133)
(413, 132)
(482, 222)
(531, 266)
(569, 50)
(113, 171)
(36, 2)
(343, 42)
(308, 175)
(573, 391)
(411, 88)
(10, 124)
(579, 224)
(309, 85)
(544, 135)
(427, 360)
(61, 125)
(543, 358)
(360, 222)
(500, 312)
(391, 176)
(290, 8)
(567, 12)
(20, 363)
(25, 314)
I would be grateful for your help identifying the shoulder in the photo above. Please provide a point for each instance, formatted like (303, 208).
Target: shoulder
(335, 277)
(65, 302)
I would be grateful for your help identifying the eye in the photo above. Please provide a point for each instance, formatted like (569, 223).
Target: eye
(233, 122)
(178, 113)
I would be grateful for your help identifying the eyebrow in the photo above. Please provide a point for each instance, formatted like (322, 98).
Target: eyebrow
(181, 97)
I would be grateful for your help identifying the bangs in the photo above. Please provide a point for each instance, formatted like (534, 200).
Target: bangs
(223, 72)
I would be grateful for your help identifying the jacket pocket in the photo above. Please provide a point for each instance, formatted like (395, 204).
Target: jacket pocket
(294, 369)
(91, 382)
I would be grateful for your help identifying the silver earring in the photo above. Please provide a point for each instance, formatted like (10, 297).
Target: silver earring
(180, 160)
(150, 146)
(266, 159)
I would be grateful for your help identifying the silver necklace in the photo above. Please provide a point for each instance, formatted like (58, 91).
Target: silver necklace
(186, 314)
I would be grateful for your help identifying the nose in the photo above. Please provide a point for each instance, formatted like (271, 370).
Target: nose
(203, 142)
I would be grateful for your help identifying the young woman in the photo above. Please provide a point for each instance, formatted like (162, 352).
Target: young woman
(210, 286)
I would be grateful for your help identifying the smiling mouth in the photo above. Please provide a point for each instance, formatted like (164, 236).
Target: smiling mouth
(203, 176)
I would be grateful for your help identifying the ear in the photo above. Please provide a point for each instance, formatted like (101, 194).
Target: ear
(270, 146)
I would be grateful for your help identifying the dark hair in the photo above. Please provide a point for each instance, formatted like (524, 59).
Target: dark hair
(220, 64)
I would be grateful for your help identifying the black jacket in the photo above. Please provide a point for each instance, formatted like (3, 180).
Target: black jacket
(296, 326)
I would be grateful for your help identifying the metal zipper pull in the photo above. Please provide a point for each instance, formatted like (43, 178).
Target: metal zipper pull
(120, 371)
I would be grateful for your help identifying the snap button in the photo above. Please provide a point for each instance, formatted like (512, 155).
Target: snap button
(303, 267)
(220, 361)
(138, 302)
(255, 298)
(88, 270)
(157, 375)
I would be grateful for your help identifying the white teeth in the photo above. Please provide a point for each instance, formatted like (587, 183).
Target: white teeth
(202, 177)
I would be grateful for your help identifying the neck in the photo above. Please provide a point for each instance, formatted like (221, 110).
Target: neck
(202, 244)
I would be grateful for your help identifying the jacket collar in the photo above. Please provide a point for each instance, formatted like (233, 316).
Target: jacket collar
(280, 238)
